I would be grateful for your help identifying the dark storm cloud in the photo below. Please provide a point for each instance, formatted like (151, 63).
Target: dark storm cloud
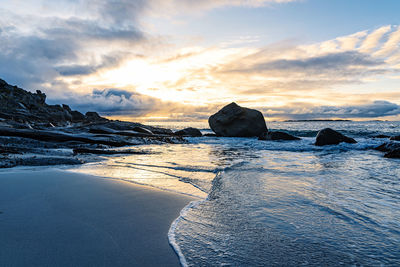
(376, 109)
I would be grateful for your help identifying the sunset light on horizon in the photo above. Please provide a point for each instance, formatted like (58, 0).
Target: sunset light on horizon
(176, 60)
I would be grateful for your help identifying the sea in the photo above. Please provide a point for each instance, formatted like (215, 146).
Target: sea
(276, 203)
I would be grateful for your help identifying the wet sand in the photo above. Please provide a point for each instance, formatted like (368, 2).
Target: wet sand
(52, 217)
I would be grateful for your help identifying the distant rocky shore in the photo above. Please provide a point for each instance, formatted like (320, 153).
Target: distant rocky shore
(34, 133)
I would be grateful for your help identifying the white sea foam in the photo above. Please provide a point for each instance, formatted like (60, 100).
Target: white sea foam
(174, 225)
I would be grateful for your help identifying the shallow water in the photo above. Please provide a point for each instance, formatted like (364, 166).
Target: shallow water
(278, 203)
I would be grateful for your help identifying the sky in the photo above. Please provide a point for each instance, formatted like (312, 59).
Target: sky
(182, 60)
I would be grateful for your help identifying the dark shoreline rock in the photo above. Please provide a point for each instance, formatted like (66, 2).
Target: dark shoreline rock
(236, 121)
(107, 152)
(328, 136)
(395, 138)
(380, 136)
(277, 136)
(394, 154)
(59, 137)
(388, 146)
(192, 132)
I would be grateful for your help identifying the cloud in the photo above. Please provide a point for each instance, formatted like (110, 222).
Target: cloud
(376, 109)
(392, 44)
(184, 6)
(334, 61)
(112, 102)
(36, 50)
(373, 39)
(350, 42)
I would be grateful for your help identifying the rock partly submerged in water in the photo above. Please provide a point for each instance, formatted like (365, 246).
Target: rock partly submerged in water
(395, 154)
(277, 136)
(328, 136)
(395, 138)
(380, 136)
(388, 146)
(192, 132)
(392, 149)
(236, 121)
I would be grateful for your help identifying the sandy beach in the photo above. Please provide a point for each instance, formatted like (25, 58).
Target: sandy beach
(50, 217)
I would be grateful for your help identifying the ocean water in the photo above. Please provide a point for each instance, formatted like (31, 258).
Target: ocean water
(263, 203)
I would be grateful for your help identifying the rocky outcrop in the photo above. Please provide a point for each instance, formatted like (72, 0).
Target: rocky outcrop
(328, 136)
(192, 132)
(395, 138)
(236, 121)
(277, 136)
(22, 106)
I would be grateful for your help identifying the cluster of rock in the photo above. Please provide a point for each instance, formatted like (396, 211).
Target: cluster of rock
(30, 126)
(236, 121)
(30, 109)
(42, 127)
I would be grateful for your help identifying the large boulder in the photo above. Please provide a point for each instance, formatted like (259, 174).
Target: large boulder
(193, 132)
(277, 136)
(236, 121)
(328, 136)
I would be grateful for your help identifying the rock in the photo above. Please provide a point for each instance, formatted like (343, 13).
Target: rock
(107, 152)
(380, 136)
(19, 105)
(277, 136)
(235, 121)
(41, 98)
(395, 154)
(193, 132)
(77, 116)
(93, 116)
(210, 135)
(9, 150)
(142, 130)
(157, 130)
(389, 146)
(50, 136)
(101, 130)
(328, 136)
(66, 107)
(395, 138)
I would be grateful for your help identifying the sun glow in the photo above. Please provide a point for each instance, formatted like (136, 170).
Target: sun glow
(179, 78)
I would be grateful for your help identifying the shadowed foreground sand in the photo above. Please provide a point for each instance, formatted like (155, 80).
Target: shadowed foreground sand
(58, 218)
